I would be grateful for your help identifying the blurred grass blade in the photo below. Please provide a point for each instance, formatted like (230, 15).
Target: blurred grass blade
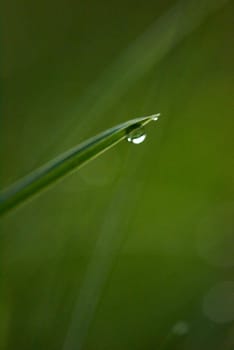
(64, 164)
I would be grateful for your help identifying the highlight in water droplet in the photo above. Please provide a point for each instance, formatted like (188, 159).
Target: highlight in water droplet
(136, 134)
(137, 140)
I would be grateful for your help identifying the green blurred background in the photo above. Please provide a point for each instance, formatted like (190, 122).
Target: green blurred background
(135, 250)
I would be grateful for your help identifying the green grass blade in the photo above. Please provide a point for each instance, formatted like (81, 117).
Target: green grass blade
(64, 164)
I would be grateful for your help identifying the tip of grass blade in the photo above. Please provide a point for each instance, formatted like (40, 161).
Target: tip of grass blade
(147, 119)
(56, 169)
(155, 117)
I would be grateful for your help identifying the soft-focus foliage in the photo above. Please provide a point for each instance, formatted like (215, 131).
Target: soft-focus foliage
(135, 251)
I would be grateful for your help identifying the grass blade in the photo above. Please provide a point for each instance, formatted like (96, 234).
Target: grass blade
(64, 164)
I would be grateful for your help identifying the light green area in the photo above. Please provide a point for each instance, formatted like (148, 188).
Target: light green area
(120, 252)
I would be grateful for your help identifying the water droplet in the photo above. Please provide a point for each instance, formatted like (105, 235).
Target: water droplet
(155, 117)
(136, 134)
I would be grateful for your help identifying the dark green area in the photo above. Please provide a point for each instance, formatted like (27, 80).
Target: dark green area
(121, 251)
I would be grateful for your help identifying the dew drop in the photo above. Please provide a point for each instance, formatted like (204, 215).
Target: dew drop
(136, 135)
